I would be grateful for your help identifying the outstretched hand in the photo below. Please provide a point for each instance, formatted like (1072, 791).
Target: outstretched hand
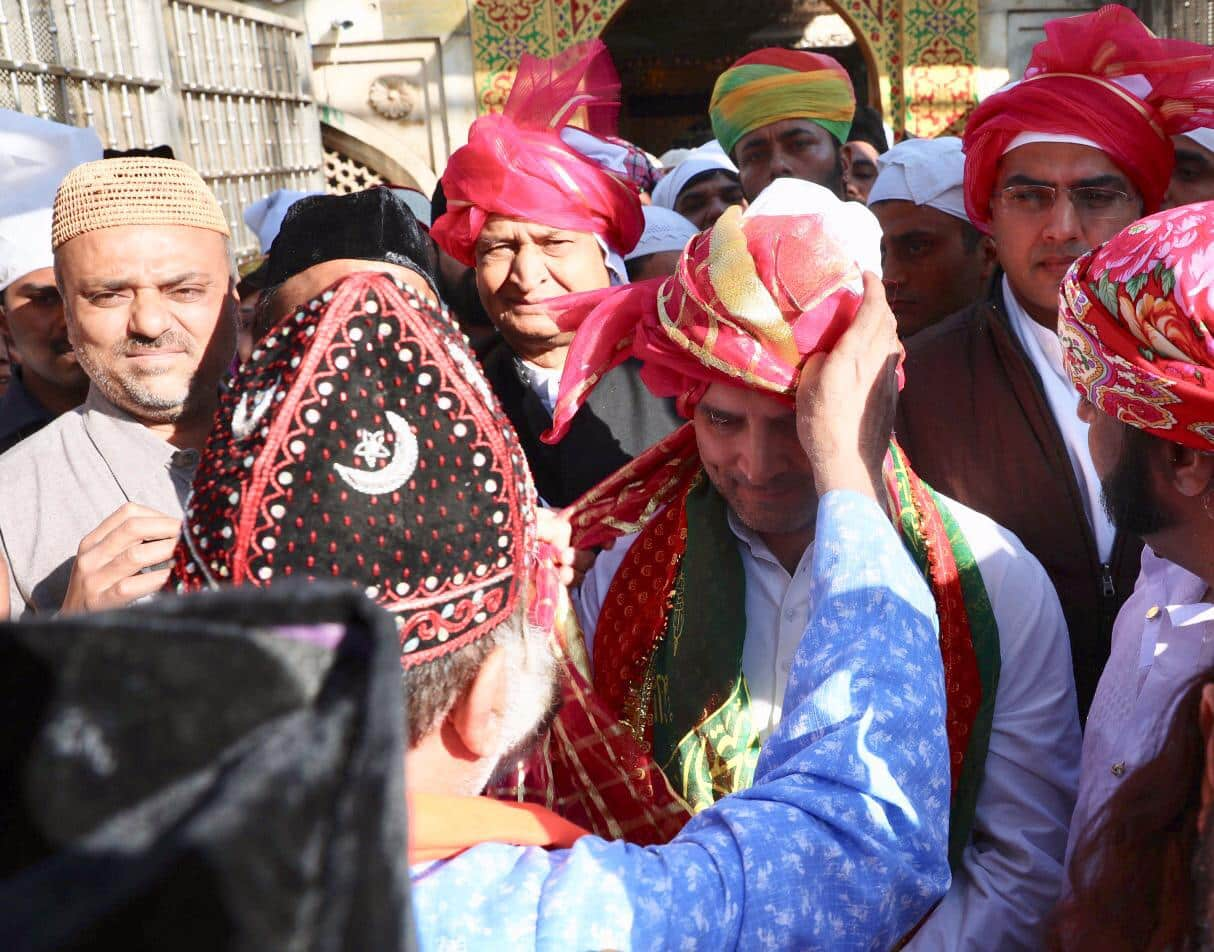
(846, 399)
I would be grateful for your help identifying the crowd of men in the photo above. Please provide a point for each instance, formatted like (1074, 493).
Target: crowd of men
(796, 542)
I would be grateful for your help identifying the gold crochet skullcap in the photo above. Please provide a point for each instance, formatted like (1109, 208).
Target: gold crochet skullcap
(133, 191)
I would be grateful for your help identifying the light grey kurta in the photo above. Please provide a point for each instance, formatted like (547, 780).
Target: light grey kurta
(58, 485)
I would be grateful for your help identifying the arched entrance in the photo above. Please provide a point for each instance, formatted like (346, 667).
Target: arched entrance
(921, 55)
(668, 65)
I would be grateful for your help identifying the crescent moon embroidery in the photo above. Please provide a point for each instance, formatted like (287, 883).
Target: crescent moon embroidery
(244, 422)
(370, 447)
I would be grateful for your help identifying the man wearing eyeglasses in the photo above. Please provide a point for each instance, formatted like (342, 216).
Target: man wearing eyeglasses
(1056, 164)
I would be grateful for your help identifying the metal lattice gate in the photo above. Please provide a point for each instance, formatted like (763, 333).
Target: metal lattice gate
(226, 85)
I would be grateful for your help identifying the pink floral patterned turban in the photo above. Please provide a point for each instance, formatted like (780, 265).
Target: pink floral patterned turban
(1134, 322)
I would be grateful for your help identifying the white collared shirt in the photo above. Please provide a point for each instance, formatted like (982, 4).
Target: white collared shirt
(1163, 637)
(543, 382)
(1011, 872)
(1045, 353)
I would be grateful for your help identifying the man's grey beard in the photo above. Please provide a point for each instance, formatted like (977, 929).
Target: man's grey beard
(529, 739)
(130, 391)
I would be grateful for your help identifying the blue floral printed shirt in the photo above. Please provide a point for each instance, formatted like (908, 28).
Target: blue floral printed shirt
(840, 844)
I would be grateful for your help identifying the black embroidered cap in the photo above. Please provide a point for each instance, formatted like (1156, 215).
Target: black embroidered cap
(362, 442)
(372, 225)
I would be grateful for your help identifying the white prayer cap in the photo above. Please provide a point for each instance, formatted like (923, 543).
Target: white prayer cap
(265, 215)
(708, 157)
(664, 231)
(35, 155)
(1203, 137)
(923, 171)
(849, 224)
(672, 157)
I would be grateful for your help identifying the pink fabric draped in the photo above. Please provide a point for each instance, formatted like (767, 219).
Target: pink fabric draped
(516, 165)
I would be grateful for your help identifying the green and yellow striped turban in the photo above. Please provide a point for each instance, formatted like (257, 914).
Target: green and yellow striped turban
(769, 85)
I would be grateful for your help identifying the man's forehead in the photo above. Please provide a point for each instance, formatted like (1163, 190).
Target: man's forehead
(33, 282)
(710, 181)
(1191, 150)
(143, 250)
(500, 226)
(743, 401)
(899, 217)
(779, 129)
(1060, 163)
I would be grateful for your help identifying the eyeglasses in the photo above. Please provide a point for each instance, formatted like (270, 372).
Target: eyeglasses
(1092, 203)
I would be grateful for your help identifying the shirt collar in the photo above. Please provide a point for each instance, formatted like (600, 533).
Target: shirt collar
(126, 444)
(1179, 591)
(755, 544)
(1042, 345)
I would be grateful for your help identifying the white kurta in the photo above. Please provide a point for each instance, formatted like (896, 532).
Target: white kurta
(1012, 869)
(1163, 637)
(1045, 353)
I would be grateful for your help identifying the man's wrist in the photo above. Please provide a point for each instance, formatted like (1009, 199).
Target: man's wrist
(851, 478)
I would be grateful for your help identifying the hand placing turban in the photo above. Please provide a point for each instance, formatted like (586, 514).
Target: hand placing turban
(1101, 79)
(773, 84)
(518, 165)
(1135, 319)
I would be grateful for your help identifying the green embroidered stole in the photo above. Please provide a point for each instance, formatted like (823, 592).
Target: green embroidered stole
(702, 732)
(703, 736)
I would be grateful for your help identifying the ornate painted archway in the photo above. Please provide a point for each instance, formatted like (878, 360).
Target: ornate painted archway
(926, 51)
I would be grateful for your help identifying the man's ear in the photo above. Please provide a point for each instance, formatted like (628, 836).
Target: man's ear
(476, 719)
(988, 255)
(1205, 720)
(845, 159)
(1191, 471)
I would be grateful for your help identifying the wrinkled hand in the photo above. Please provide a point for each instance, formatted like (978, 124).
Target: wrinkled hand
(108, 571)
(846, 399)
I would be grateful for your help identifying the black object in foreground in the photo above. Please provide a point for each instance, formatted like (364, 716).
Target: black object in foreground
(218, 771)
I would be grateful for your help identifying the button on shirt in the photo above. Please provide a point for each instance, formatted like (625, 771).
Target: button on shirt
(1045, 354)
(1163, 637)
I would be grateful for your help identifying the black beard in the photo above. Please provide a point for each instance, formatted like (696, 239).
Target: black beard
(1126, 491)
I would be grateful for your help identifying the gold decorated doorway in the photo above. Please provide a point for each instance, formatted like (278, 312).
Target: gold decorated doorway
(918, 57)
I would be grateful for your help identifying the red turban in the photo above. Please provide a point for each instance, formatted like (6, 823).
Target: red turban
(1104, 77)
(1135, 319)
(517, 165)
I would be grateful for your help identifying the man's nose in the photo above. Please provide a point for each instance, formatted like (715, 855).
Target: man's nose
(528, 270)
(1062, 223)
(758, 460)
(149, 316)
